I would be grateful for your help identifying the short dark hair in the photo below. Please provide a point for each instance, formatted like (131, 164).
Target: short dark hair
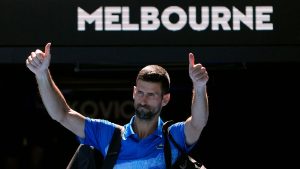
(155, 73)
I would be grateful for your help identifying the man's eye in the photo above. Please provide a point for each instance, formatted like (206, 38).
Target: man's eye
(151, 95)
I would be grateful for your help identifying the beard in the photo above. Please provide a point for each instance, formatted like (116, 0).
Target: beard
(145, 112)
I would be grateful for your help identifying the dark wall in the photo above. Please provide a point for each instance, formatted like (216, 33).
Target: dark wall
(252, 111)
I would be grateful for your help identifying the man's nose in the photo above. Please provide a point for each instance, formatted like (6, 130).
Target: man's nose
(144, 100)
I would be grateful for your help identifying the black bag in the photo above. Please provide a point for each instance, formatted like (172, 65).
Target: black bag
(86, 157)
(184, 161)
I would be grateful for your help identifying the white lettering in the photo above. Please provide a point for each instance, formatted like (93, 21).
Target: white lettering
(126, 25)
(165, 18)
(149, 19)
(220, 17)
(204, 18)
(239, 17)
(84, 17)
(112, 18)
(262, 19)
(175, 18)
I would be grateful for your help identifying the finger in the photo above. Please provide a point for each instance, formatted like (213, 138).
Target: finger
(38, 51)
(196, 68)
(29, 65)
(31, 60)
(47, 49)
(39, 58)
(205, 77)
(197, 73)
(35, 57)
(191, 60)
(203, 70)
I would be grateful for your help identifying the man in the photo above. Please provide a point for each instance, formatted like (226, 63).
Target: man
(142, 141)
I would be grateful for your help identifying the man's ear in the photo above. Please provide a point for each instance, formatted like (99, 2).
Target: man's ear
(166, 99)
(134, 91)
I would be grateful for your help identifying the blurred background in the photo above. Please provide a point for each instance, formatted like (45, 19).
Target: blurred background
(250, 50)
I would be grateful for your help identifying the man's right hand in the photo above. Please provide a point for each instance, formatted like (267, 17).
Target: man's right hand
(38, 62)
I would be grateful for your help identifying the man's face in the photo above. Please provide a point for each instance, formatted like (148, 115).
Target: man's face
(148, 99)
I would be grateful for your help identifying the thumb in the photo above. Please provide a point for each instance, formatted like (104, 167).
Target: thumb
(191, 60)
(47, 49)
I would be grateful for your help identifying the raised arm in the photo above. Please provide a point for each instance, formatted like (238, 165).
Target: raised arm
(38, 62)
(199, 108)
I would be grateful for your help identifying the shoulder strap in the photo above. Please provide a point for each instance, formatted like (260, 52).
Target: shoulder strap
(175, 143)
(167, 148)
(167, 136)
(113, 150)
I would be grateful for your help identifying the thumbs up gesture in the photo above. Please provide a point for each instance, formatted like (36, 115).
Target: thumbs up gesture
(197, 72)
(38, 61)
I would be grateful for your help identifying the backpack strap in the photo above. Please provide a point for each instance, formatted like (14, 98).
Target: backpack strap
(167, 148)
(113, 150)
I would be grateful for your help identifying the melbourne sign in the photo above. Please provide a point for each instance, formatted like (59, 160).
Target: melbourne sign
(215, 18)
(148, 23)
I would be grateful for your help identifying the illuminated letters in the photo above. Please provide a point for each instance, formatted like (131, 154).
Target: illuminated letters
(117, 18)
